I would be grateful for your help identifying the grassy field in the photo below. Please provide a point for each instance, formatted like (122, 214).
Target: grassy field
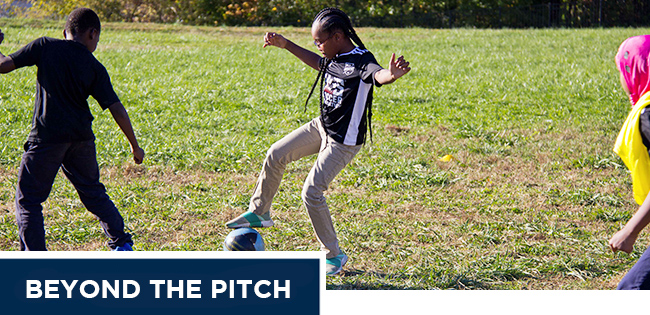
(528, 201)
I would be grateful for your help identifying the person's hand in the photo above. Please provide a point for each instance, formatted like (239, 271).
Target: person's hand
(274, 39)
(138, 155)
(623, 241)
(398, 67)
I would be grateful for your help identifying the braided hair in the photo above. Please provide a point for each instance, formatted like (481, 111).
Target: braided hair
(333, 19)
(330, 20)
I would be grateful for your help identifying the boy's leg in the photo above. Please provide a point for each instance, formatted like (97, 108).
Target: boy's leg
(638, 278)
(36, 174)
(80, 167)
(301, 142)
(330, 162)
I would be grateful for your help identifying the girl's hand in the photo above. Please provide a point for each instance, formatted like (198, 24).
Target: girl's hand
(623, 241)
(274, 39)
(398, 67)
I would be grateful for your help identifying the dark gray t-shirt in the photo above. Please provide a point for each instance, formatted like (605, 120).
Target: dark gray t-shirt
(347, 95)
(67, 74)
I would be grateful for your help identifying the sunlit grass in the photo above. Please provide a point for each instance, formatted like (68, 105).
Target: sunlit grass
(529, 199)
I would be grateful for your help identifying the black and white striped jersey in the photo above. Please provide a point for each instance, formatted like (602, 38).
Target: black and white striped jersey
(347, 94)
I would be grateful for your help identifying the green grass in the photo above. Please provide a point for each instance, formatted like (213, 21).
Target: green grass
(529, 200)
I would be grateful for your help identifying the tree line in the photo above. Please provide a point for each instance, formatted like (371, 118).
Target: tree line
(384, 13)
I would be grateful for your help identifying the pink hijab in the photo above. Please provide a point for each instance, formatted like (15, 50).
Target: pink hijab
(633, 61)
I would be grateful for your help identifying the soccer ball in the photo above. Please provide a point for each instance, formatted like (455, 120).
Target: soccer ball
(243, 239)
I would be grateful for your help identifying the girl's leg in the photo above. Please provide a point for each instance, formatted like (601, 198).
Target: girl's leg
(330, 162)
(302, 142)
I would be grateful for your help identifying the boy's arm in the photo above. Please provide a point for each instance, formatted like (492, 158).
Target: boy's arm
(396, 69)
(310, 58)
(625, 238)
(6, 63)
(122, 119)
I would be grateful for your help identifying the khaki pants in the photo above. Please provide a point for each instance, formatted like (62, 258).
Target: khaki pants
(332, 158)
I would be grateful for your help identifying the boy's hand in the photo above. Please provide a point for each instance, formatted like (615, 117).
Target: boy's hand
(623, 241)
(138, 155)
(398, 67)
(6, 63)
(274, 39)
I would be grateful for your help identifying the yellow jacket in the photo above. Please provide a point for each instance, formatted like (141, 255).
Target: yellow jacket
(634, 154)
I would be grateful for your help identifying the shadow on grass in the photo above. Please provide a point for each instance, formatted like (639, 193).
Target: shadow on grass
(357, 279)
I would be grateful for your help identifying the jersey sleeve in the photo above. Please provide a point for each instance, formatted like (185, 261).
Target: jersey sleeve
(368, 68)
(102, 89)
(30, 54)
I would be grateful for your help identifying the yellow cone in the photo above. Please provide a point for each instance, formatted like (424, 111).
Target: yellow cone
(446, 158)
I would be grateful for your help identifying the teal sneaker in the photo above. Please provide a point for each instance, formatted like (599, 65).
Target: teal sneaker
(250, 219)
(124, 248)
(334, 265)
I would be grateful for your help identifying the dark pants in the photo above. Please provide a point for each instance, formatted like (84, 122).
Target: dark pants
(638, 278)
(38, 169)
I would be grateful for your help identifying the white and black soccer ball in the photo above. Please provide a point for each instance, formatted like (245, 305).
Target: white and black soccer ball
(243, 239)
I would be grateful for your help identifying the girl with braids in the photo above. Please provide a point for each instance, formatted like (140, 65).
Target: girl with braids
(347, 74)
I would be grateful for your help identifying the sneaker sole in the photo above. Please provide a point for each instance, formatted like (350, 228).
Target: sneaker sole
(263, 224)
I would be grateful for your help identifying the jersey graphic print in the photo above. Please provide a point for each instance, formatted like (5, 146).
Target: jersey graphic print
(333, 92)
(348, 69)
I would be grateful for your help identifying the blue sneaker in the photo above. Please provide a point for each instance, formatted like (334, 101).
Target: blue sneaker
(334, 265)
(124, 248)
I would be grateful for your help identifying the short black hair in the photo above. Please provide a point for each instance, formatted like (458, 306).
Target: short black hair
(81, 20)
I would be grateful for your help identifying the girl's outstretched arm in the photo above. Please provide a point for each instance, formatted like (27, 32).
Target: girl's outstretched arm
(396, 69)
(308, 57)
(625, 238)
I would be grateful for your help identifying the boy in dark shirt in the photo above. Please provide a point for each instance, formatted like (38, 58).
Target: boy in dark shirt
(61, 134)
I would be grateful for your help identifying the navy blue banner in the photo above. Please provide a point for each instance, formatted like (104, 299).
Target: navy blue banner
(163, 285)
